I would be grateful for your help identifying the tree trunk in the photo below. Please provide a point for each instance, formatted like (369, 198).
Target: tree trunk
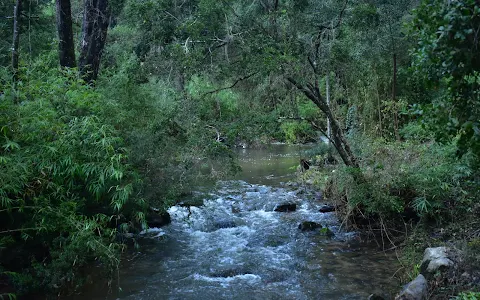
(337, 138)
(66, 47)
(96, 16)
(394, 96)
(329, 129)
(16, 40)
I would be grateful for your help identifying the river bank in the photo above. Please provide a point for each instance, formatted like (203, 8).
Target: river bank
(413, 196)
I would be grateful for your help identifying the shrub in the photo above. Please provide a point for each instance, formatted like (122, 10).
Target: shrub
(405, 179)
(298, 132)
(64, 181)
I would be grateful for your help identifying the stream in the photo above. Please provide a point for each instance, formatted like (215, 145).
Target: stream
(237, 247)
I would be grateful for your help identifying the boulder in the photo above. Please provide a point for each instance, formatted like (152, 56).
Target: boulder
(229, 272)
(286, 207)
(309, 226)
(415, 290)
(327, 208)
(435, 260)
(158, 219)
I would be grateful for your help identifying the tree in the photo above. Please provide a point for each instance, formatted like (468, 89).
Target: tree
(448, 59)
(65, 34)
(16, 39)
(96, 18)
(312, 91)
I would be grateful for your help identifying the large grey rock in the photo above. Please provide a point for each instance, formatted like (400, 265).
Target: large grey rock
(286, 207)
(327, 208)
(158, 219)
(435, 260)
(309, 226)
(415, 290)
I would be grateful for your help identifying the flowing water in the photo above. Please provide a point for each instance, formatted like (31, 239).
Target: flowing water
(237, 247)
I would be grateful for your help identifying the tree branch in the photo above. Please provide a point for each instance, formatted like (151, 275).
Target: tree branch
(313, 64)
(339, 21)
(302, 88)
(231, 86)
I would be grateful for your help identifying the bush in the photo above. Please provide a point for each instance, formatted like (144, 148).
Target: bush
(298, 132)
(64, 181)
(405, 180)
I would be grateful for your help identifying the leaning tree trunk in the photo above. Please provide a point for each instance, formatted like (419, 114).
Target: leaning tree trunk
(337, 137)
(329, 129)
(94, 34)
(16, 40)
(66, 47)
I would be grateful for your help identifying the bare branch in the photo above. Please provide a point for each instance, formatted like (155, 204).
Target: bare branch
(231, 86)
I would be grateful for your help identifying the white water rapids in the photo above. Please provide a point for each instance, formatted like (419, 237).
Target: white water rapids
(236, 246)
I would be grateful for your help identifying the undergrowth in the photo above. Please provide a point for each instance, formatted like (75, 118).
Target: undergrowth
(65, 184)
(413, 195)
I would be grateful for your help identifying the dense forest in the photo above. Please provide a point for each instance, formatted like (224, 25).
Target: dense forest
(112, 110)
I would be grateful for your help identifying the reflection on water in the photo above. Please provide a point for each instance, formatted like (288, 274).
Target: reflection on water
(271, 165)
(237, 247)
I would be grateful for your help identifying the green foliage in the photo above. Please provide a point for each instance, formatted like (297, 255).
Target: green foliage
(414, 273)
(8, 296)
(172, 139)
(415, 131)
(298, 132)
(447, 56)
(468, 296)
(64, 177)
(184, 82)
(398, 176)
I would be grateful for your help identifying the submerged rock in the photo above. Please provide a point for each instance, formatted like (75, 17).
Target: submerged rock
(309, 226)
(415, 290)
(435, 260)
(286, 207)
(235, 209)
(224, 224)
(229, 272)
(197, 202)
(158, 219)
(327, 208)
